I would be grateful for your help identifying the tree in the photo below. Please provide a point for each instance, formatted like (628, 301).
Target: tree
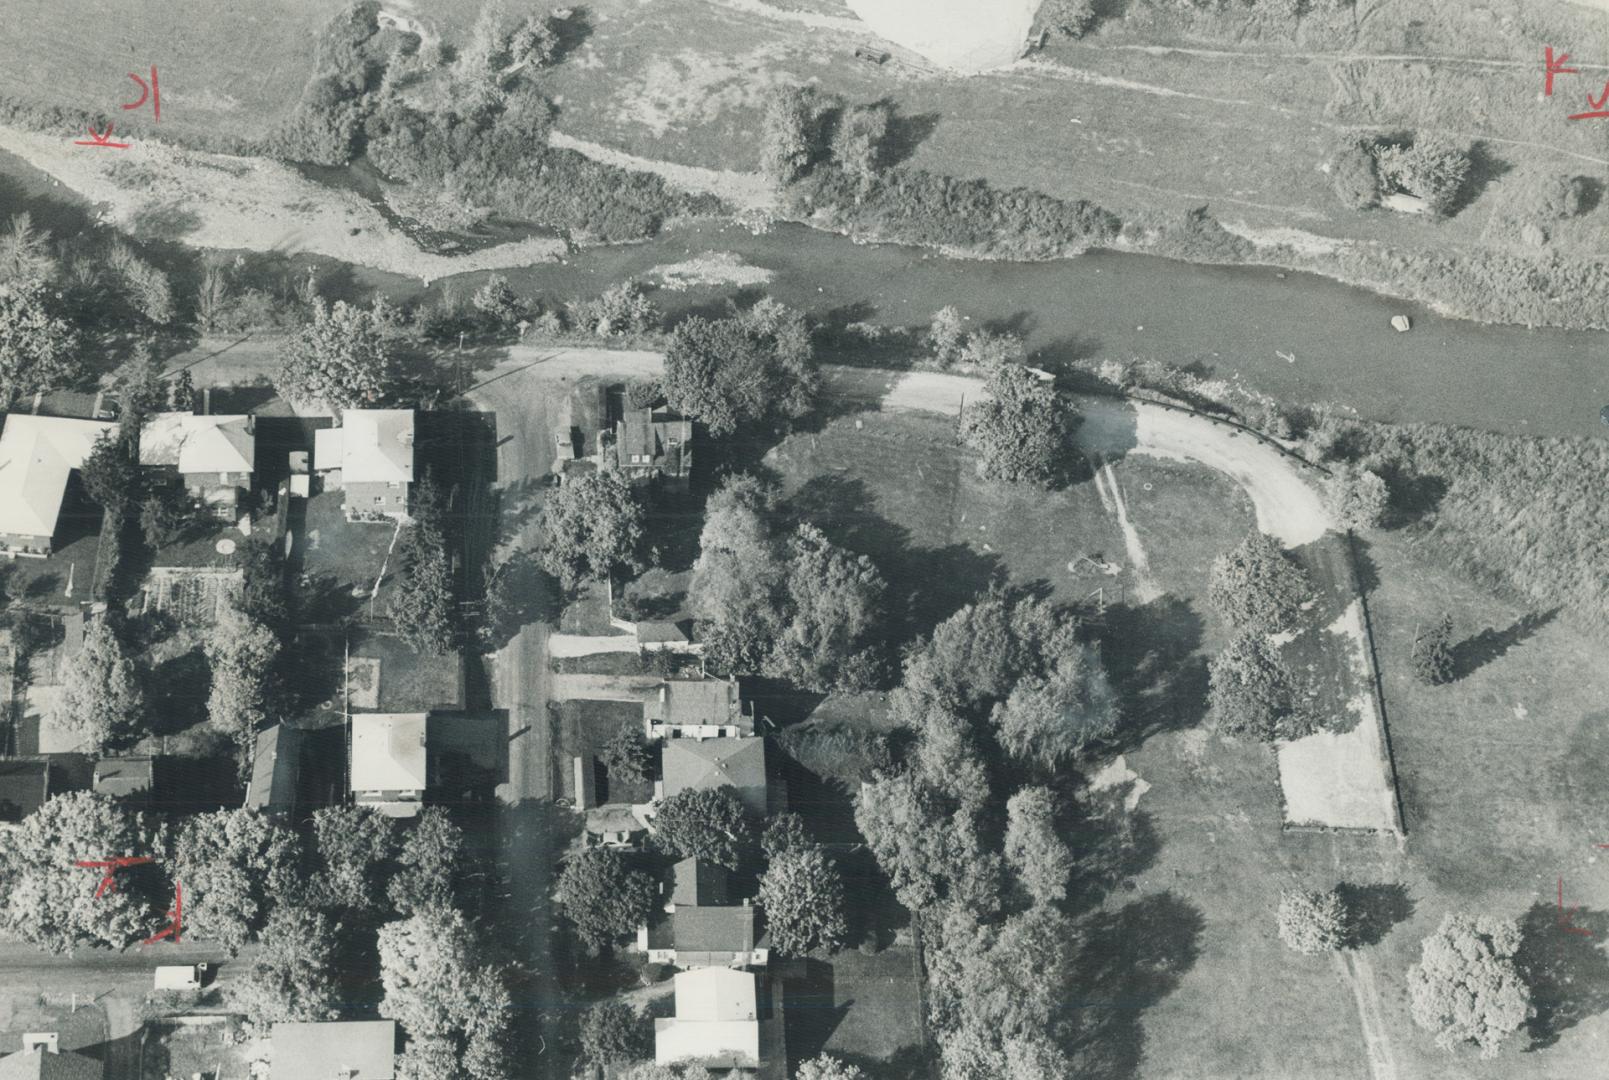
(1354, 176)
(785, 832)
(1558, 195)
(905, 825)
(111, 477)
(25, 258)
(705, 823)
(1034, 848)
(626, 754)
(38, 349)
(103, 697)
(1312, 922)
(50, 902)
(294, 975)
(439, 987)
(738, 581)
(752, 367)
(827, 1067)
(1466, 987)
(786, 134)
(831, 642)
(242, 653)
(1431, 168)
(262, 588)
(803, 898)
(355, 846)
(338, 360)
(535, 42)
(1252, 692)
(424, 603)
(644, 393)
(946, 335)
(604, 896)
(1070, 18)
(1023, 428)
(612, 1032)
(1049, 721)
(497, 301)
(235, 865)
(987, 350)
(1256, 586)
(427, 862)
(857, 142)
(1433, 653)
(1356, 497)
(594, 526)
(621, 309)
(145, 286)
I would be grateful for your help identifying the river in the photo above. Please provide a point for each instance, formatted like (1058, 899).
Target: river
(1235, 321)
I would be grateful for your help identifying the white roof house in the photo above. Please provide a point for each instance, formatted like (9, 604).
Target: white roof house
(389, 761)
(199, 444)
(717, 1020)
(371, 446)
(36, 455)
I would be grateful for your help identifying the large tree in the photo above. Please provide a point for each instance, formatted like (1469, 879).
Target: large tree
(705, 823)
(355, 847)
(103, 694)
(1312, 922)
(594, 527)
(1466, 987)
(858, 141)
(747, 368)
(439, 987)
(1356, 497)
(424, 602)
(1251, 690)
(235, 865)
(1257, 586)
(787, 133)
(831, 641)
(1050, 720)
(827, 1067)
(1431, 167)
(427, 862)
(294, 975)
(242, 653)
(1023, 428)
(39, 350)
(50, 902)
(604, 896)
(1034, 846)
(339, 359)
(738, 580)
(803, 897)
(612, 1032)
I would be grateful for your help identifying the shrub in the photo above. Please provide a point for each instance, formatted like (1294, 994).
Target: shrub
(1312, 922)
(1257, 586)
(946, 335)
(1354, 176)
(644, 393)
(1356, 497)
(1433, 653)
(497, 301)
(1071, 18)
(621, 309)
(1431, 168)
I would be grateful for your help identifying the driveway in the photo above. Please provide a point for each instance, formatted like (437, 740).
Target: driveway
(604, 687)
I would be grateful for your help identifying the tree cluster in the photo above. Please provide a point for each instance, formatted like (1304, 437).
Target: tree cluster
(444, 992)
(604, 895)
(594, 526)
(338, 359)
(751, 367)
(103, 688)
(243, 654)
(1257, 586)
(800, 609)
(425, 603)
(1023, 428)
(1429, 167)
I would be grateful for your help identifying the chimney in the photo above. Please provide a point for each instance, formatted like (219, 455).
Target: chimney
(206, 401)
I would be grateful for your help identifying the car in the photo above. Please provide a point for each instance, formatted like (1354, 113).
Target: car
(1603, 414)
(1400, 324)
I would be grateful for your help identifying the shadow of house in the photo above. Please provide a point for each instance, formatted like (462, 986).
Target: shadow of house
(1472, 654)
(814, 1011)
(1568, 973)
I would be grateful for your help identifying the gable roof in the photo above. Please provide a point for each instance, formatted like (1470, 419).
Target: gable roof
(122, 777)
(274, 769)
(694, 701)
(36, 455)
(388, 751)
(24, 786)
(717, 1019)
(660, 438)
(717, 994)
(698, 881)
(362, 1049)
(43, 1064)
(701, 764)
(372, 445)
(714, 930)
(199, 444)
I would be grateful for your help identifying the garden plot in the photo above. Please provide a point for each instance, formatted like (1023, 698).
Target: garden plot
(198, 596)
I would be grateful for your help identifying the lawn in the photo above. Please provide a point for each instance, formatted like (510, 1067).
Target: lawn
(862, 1009)
(584, 728)
(343, 564)
(195, 1050)
(401, 679)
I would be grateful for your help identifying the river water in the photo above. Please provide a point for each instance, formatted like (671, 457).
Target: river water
(1236, 321)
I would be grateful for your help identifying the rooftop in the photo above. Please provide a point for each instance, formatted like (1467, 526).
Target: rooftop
(359, 1049)
(123, 777)
(43, 1064)
(24, 786)
(36, 455)
(700, 764)
(716, 1021)
(199, 444)
(388, 751)
(274, 769)
(370, 446)
(694, 701)
(714, 930)
(699, 882)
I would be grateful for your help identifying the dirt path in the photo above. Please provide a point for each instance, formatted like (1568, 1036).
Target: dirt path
(747, 191)
(590, 644)
(1145, 587)
(1359, 974)
(568, 687)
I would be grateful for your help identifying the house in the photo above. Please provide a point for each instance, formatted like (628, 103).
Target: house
(215, 456)
(370, 458)
(24, 787)
(40, 1060)
(389, 762)
(696, 883)
(127, 778)
(717, 1020)
(275, 771)
(334, 1050)
(37, 455)
(651, 445)
(616, 825)
(696, 709)
(699, 927)
(738, 763)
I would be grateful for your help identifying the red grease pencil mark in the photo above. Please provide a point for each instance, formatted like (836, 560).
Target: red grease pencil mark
(154, 92)
(97, 138)
(1550, 68)
(176, 913)
(111, 866)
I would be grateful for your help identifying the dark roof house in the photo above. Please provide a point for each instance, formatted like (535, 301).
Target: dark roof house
(698, 881)
(41, 1063)
(649, 444)
(128, 778)
(739, 763)
(24, 787)
(275, 769)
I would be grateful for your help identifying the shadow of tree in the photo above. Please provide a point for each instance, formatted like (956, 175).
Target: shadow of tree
(905, 134)
(180, 688)
(1150, 652)
(1568, 973)
(1111, 846)
(519, 594)
(1472, 654)
(1131, 959)
(163, 221)
(1372, 910)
